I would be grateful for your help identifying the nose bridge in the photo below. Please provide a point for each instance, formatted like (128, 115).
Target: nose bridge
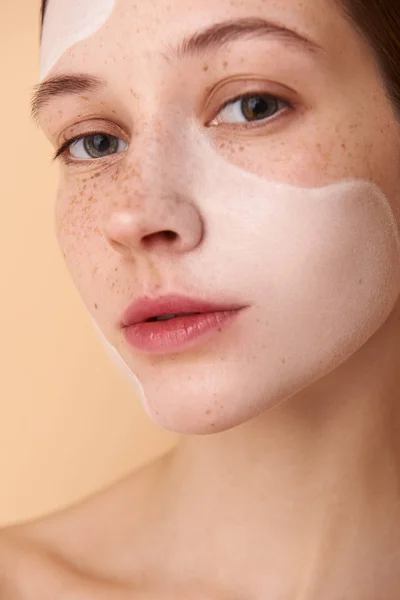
(157, 156)
(152, 206)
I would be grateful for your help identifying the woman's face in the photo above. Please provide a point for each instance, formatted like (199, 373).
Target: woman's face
(285, 202)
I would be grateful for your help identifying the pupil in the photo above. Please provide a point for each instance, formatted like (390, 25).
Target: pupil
(99, 144)
(255, 107)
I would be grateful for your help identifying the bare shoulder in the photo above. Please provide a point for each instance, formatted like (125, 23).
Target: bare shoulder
(75, 548)
(29, 570)
(50, 559)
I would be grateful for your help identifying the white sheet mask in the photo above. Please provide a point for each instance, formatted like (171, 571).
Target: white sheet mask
(68, 22)
(320, 268)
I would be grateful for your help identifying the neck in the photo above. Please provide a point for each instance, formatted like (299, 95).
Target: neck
(304, 499)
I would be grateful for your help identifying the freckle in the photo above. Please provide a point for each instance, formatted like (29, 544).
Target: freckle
(205, 68)
(212, 424)
(360, 281)
(283, 360)
(225, 64)
(208, 412)
(116, 269)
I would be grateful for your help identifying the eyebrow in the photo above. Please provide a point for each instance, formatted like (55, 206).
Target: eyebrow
(209, 39)
(62, 85)
(219, 34)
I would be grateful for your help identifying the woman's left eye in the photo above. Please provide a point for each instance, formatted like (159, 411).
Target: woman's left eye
(90, 147)
(254, 107)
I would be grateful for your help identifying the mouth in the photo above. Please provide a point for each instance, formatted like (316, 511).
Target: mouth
(169, 317)
(172, 306)
(174, 323)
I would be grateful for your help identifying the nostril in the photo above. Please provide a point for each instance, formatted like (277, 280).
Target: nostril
(160, 237)
(170, 235)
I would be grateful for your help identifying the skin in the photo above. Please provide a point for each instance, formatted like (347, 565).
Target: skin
(296, 493)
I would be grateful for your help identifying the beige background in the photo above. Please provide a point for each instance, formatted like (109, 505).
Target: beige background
(69, 423)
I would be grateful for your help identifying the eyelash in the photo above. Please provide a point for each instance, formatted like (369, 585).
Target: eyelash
(63, 154)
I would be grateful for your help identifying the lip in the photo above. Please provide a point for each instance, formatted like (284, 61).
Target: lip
(146, 308)
(180, 333)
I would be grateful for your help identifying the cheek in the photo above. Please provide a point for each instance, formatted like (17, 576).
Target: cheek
(75, 217)
(77, 222)
(94, 265)
(333, 249)
(326, 278)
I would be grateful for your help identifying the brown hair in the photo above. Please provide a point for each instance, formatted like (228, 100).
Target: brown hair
(378, 22)
(42, 13)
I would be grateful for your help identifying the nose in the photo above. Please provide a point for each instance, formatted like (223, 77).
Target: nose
(171, 224)
(155, 213)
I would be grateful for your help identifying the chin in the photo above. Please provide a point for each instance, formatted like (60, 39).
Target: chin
(191, 407)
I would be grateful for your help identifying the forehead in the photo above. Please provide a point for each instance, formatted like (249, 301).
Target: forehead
(131, 25)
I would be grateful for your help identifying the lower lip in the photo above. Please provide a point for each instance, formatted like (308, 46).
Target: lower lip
(178, 334)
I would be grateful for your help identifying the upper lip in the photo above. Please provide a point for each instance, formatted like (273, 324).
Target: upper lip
(147, 308)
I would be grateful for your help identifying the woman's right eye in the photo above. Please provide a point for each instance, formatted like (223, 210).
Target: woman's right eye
(94, 146)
